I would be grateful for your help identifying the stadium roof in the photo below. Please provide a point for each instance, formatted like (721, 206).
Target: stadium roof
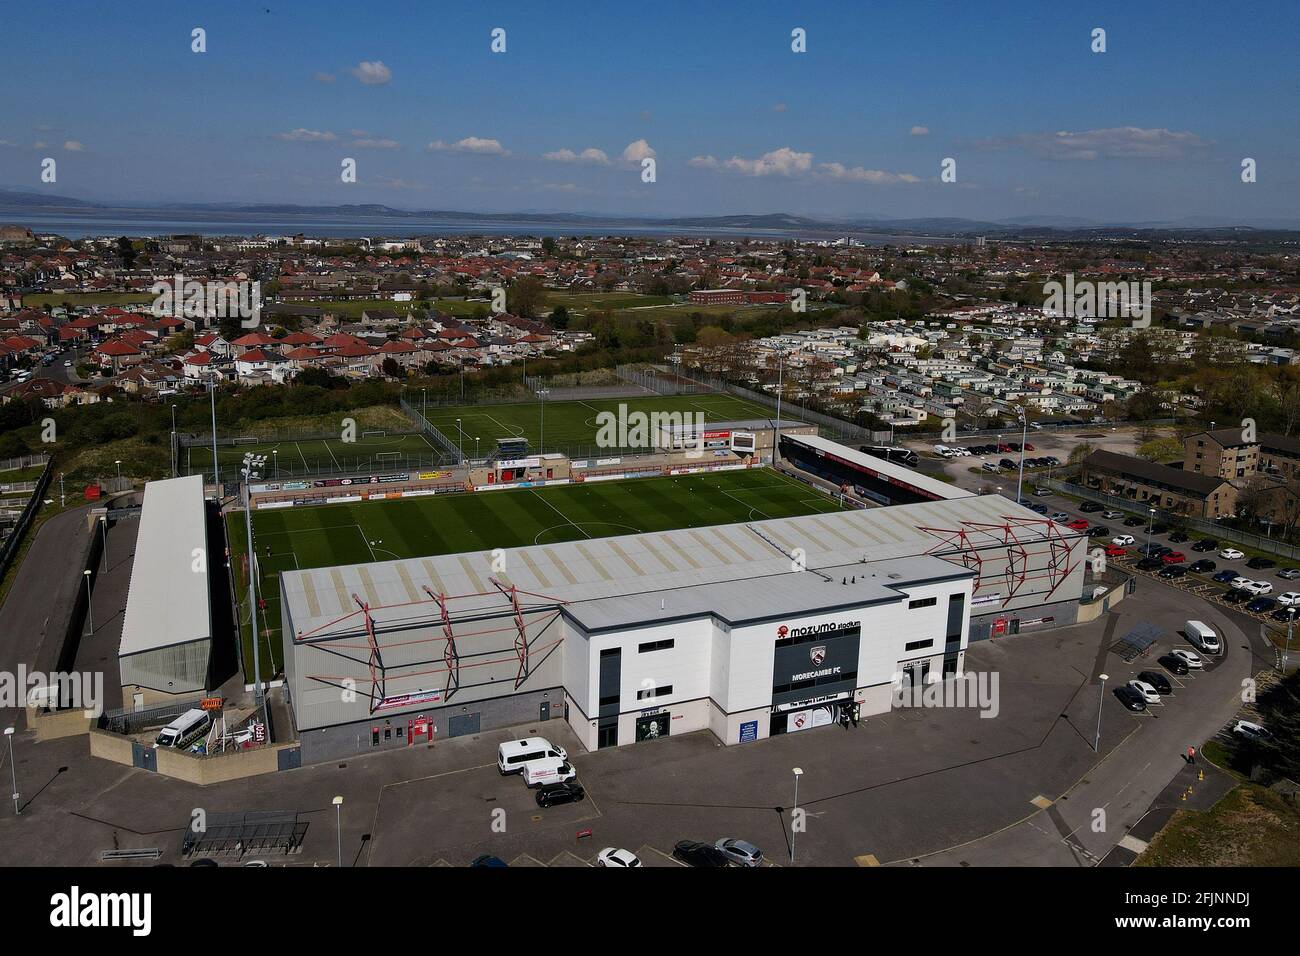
(168, 601)
(890, 471)
(646, 566)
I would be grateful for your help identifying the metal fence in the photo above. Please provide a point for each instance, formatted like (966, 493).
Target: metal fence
(1210, 529)
(427, 427)
(662, 380)
(14, 540)
(24, 461)
(127, 721)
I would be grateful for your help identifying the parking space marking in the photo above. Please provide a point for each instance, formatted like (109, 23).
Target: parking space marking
(866, 859)
(1041, 802)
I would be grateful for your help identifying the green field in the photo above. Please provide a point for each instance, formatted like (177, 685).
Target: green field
(365, 531)
(369, 454)
(572, 425)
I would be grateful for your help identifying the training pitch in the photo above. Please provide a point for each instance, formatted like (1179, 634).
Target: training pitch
(361, 532)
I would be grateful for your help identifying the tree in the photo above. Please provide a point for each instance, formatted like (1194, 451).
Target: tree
(559, 318)
(390, 368)
(524, 297)
(1081, 451)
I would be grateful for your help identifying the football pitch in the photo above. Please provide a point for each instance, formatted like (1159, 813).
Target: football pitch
(372, 452)
(362, 532)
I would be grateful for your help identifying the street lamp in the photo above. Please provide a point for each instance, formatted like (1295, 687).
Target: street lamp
(259, 701)
(175, 457)
(1151, 520)
(794, 815)
(13, 770)
(119, 467)
(460, 441)
(275, 461)
(541, 440)
(1024, 433)
(1096, 745)
(776, 439)
(476, 456)
(90, 614)
(338, 825)
(103, 527)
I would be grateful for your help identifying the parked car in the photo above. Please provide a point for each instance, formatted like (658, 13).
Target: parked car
(1190, 658)
(1089, 507)
(1042, 492)
(1131, 698)
(740, 852)
(1060, 516)
(1133, 521)
(1098, 531)
(1205, 544)
(1122, 539)
(1288, 598)
(1286, 614)
(617, 859)
(1078, 524)
(1258, 587)
(1252, 731)
(1261, 605)
(1203, 566)
(1240, 581)
(1173, 571)
(1225, 576)
(1149, 694)
(1175, 665)
(554, 794)
(1008, 464)
(1173, 557)
(1159, 528)
(1150, 564)
(1112, 515)
(1261, 563)
(489, 861)
(1231, 554)
(1178, 537)
(1289, 574)
(699, 854)
(1157, 680)
(1115, 551)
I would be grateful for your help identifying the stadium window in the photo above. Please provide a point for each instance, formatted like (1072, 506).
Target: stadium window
(655, 646)
(922, 602)
(609, 701)
(611, 651)
(917, 645)
(654, 692)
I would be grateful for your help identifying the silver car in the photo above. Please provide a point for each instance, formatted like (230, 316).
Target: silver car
(739, 852)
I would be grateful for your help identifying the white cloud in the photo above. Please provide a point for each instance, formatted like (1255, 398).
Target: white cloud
(637, 151)
(323, 77)
(593, 155)
(73, 146)
(470, 144)
(372, 73)
(301, 135)
(919, 131)
(859, 174)
(702, 162)
(781, 162)
(1121, 142)
(367, 142)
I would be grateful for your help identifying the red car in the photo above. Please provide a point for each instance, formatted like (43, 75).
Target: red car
(1003, 447)
(1115, 551)
(1078, 524)
(1173, 557)
(1028, 447)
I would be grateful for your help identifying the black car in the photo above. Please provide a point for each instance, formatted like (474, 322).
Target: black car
(1098, 531)
(1159, 528)
(699, 854)
(1153, 550)
(489, 861)
(1237, 595)
(1150, 564)
(1173, 571)
(1007, 463)
(1285, 614)
(1130, 698)
(1175, 665)
(557, 793)
(1088, 507)
(1203, 566)
(1157, 680)
(1133, 521)
(1178, 537)
(1260, 564)
(1205, 544)
(1261, 605)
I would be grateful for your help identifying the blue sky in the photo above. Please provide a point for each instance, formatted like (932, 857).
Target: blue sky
(1155, 128)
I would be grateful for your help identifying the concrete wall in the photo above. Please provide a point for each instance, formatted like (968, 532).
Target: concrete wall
(190, 768)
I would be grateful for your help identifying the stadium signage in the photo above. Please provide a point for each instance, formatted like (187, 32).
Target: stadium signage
(783, 631)
(520, 463)
(405, 700)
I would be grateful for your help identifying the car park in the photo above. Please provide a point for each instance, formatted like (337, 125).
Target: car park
(699, 854)
(1205, 544)
(1190, 658)
(1157, 680)
(740, 852)
(1175, 665)
(1122, 539)
(1231, 554)
(554, 794)
(1203, 566)
(1149, 694)
(1131, 698)
(617, 859)
(1261, 605)
(1173, 571)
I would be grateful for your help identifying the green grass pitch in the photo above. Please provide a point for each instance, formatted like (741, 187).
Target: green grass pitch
(369, 454)
(360, 532)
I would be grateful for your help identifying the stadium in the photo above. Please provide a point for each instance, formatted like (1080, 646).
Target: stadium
(732, 586)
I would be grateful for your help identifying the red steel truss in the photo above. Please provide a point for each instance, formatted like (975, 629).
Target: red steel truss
(441, 606)
(1023, 538)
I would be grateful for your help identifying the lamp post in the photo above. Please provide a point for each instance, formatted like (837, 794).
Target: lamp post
(541, 439)
(259, 701)
(460, 441)
(798, 772)
(338, 825)
(1151, 520)
(776, 439)
(216, 467)
(275, 461)
(1096, 745)
(118, 462)
(90, 613)
(103, 527)
(13, 770)
(476, 455)
(1024, 434)
(175, 457)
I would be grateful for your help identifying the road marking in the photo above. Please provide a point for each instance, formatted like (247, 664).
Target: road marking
(1130, 842)
(866, 859)
(1041, 802)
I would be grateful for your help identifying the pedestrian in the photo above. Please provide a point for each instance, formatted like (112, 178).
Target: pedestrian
(1191, 755)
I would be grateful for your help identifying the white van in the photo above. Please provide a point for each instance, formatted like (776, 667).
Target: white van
(1202, 636)
(184, 730)
(513, 754)
(548, 770)
(44, 697)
